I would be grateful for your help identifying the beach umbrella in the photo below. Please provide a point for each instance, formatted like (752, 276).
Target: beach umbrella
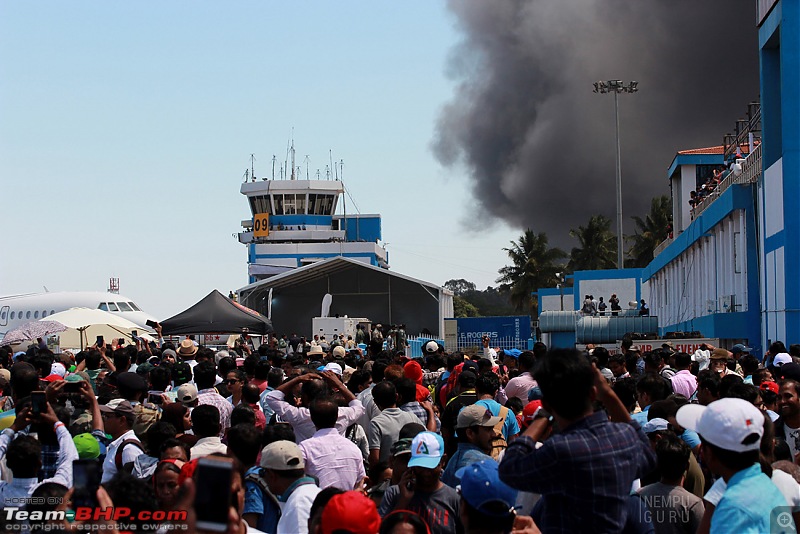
(93, 322)
(31, 331)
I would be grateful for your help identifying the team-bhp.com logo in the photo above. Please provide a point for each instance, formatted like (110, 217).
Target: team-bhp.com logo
(85, 513)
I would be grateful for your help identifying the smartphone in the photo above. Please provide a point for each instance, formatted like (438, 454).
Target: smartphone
(151, 324)
(86, 476)
(72, 387)
(99, 341)
(121, 341)
(154, 397)
(134, 334)
(213, 498)
(38, 403)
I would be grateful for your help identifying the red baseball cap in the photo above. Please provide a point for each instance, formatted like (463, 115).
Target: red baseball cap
(529, 412)
(351, 511)
(771, 386)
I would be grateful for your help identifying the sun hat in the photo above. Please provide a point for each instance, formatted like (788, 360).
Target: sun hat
(427, 449)
(339, 351)
(187, 348)
(731, 424)
(720, 354)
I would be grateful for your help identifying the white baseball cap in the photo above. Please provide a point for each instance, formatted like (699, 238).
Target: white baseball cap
(431, 347)
(335, 367)
(781, 358)
(655, 424)
(427, 449)
(731, 424)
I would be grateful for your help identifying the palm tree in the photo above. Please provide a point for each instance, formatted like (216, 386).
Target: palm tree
(598, 246)
(651, 231)
(534, 265)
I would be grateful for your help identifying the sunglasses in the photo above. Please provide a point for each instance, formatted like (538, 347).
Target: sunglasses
(231, 381)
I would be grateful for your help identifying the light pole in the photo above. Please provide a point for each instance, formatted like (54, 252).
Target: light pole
(616, 87)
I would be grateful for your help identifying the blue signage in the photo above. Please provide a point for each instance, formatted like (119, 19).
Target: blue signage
(514, 329)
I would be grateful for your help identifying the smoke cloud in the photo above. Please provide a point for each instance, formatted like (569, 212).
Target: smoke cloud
(538, 145)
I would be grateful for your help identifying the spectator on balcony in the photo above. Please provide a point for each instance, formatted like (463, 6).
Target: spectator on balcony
(614, 302)
(644, 309)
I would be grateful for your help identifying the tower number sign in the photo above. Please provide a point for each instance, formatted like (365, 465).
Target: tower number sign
(261, 225)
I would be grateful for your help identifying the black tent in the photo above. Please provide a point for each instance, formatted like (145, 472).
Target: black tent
(218, 314)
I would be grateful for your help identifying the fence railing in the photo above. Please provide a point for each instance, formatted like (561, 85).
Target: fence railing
(751, 169)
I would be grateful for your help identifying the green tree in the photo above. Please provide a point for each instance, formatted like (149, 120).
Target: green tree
(597, 246)
(650, 231)
(459, 286)
(533, 265)
(463, 308)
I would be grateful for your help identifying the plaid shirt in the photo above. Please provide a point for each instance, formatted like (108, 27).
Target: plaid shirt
(417, 409)
(211, 397)
(584, 473)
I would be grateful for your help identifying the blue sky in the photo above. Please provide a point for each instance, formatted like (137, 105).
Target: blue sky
(126, 127)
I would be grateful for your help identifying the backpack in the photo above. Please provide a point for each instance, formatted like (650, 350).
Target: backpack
(121, 448)
(499, 444)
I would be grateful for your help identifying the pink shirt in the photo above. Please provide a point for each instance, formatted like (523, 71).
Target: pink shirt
(684, 383)
(520, 386)
(333, 459)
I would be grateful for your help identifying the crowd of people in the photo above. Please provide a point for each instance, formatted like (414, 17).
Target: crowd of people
(601, 308)
(346, 440)
(705, 189)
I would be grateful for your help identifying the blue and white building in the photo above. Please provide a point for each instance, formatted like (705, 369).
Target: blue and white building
(295, 223)
(732, 269)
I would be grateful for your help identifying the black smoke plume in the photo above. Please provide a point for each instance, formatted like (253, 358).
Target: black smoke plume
(538, 145)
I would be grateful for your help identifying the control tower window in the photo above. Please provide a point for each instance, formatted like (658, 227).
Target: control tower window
(260, 204)
(289, 205)
(278, 199)
(300, 204)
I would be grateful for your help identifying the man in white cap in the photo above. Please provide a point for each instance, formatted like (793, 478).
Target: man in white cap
(731, 430)
(421, 491)
(284, 472)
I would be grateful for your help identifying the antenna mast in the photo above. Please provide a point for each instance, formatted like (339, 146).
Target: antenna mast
(306, 158)
(273, 166)
(293, 168)
(252, 167)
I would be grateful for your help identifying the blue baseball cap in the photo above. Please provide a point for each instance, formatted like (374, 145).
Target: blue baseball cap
(482, 488)
(514, 353)
(427, 449)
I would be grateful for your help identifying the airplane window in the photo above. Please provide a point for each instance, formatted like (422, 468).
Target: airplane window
(123, 306)
(12, 316)
(52, 312)
(3, 316)
(36, 314)
(134, 306)
(112, 307)
(28, 315)
(103, 306)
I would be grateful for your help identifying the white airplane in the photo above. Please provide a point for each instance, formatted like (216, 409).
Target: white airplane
(16, 310)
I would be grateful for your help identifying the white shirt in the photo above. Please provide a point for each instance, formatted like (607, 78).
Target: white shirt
(333, 459)
(296, 509)
(703, 357)
(300, 418)
(206, 446)
(490, 353)
(129, 455)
